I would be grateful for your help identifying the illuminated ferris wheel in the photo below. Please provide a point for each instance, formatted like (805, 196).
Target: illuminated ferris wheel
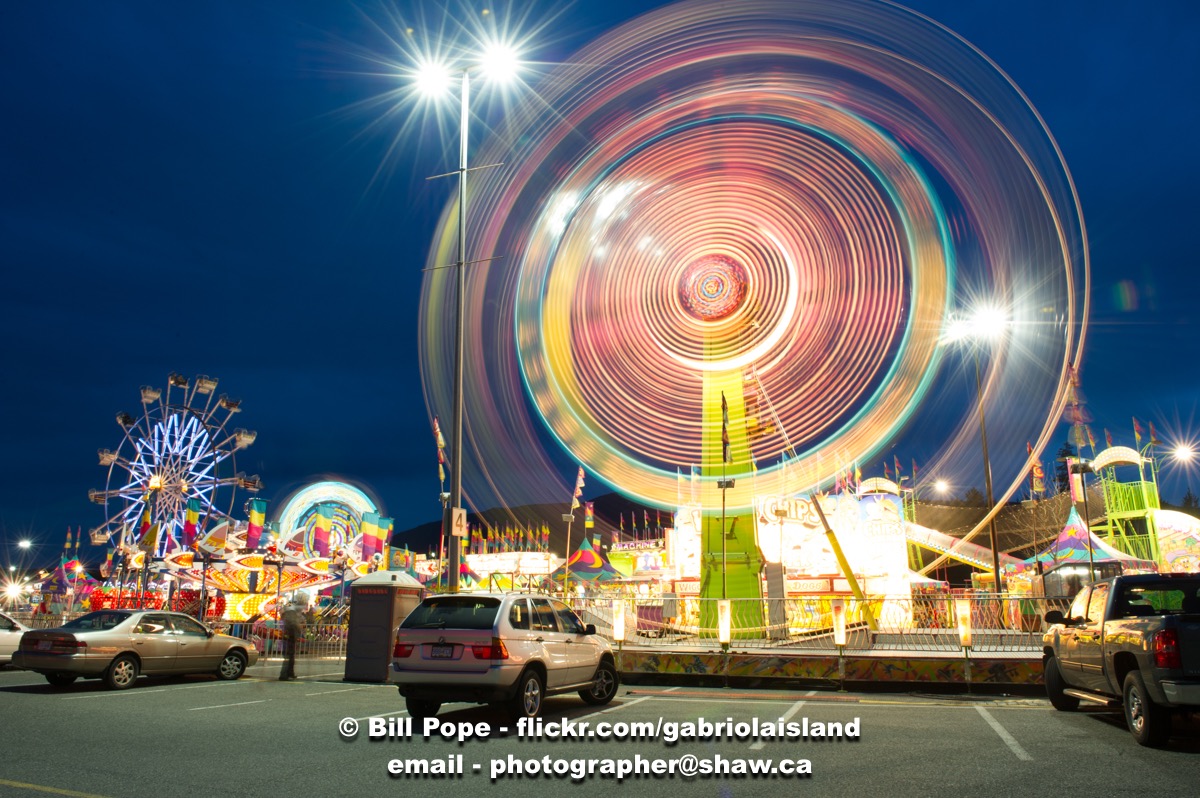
(177, 454)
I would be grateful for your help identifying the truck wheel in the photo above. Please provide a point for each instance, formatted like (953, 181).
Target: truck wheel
(1149, 723)
(1055, 686)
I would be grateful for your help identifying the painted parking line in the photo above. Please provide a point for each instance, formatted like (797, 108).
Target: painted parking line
(223, 706)
(113, 695)
(384, 715)
(331, 692)
(758, 746)
(21, 785)
(1008, 739)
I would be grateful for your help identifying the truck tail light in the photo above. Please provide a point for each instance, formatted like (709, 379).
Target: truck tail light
(401, 650)
(1166, 650)
(496, 650)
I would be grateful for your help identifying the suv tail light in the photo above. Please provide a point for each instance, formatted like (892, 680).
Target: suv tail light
(1166, 650)
(401, 650)
(494, 651)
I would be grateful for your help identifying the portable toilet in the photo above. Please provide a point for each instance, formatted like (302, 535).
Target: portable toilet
(378, 603)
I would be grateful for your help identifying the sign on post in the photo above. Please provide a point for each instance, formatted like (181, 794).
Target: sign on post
(458, 522)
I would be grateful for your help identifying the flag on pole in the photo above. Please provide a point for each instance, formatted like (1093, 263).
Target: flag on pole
(578, 489)
(1091, 438)
(322, 524)
(1137, 432)
(149, 541)
(886, 474)
(726, 456)
(1037, 482)
(896, 460)
(1075, 481)
(1107, 437)
(369, 526)
(441, 447)
(191, 522)
(1154, 441)
(254, 528)
(589, 515)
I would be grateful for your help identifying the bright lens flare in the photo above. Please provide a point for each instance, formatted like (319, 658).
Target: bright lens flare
(433, 78)
(1183, 454)
(500, 62)
(12, 590)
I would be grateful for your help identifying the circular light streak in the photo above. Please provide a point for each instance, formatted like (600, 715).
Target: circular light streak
(804, 195)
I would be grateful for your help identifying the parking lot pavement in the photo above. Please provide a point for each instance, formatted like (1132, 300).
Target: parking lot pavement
(197, 736)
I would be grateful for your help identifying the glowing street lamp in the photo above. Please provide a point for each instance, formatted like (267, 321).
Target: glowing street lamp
(497, 62)
(984, 324)
(1183, 453)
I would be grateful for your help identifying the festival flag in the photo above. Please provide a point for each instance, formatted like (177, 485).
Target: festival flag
(149, 541)
(896, 460)
(578, 489)
(886, 474)
(322, 525)
(1091, 438)
(615, 538)
(914, 471)
(258, 516)
(1037, 483)
(441, 447)
(645, 519)
(107, 568)
(621, 521)
(589, 515)
(857, 475)
(1107, 437)
(1137, 432)
(726, 456)
(1075, 481)
(191, 521)
(1154, 441)
(371, 541)
(657, 519)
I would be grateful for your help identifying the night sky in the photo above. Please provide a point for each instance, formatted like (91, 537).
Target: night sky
(221, 189)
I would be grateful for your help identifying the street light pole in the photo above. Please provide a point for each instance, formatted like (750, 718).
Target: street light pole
(456, 445)
(987, 476)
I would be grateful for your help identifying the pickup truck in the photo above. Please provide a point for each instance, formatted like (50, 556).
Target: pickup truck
(1132, 640)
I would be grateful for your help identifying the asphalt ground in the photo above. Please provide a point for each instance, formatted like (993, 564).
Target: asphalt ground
(196, 736)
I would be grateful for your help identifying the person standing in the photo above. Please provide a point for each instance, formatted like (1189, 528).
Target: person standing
(293, 630)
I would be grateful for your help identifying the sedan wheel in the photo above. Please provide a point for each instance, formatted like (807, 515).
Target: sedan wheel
(122, 673)
(233, 666)
(604, 685)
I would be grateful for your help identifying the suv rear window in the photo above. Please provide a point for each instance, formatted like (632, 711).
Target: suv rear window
(453, 612)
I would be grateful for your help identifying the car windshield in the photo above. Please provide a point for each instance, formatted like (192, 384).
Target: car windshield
(454, 612)
(96, 620)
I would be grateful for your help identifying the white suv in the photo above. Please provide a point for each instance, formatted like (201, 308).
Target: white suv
(509, 650)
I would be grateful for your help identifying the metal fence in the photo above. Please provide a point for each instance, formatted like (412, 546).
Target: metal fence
(997, 623)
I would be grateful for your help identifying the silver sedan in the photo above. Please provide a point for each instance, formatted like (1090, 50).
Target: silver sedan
(119, 645)
(10, 635)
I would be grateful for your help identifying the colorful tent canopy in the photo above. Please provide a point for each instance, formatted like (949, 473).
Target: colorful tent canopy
(588, 564)
(1071, 546)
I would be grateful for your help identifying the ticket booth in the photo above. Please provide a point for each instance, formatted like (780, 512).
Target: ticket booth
(378, 603)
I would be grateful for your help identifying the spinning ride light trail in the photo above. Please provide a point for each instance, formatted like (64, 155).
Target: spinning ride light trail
(801, 193)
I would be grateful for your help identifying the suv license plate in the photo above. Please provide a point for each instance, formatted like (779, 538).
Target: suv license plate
(441, 652)
(44, 645)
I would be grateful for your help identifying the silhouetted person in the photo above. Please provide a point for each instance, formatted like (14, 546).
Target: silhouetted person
(293, 630)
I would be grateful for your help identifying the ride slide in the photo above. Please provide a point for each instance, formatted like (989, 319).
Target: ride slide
(954, 548)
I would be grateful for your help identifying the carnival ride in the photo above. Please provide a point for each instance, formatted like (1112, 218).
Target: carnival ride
(743, 293)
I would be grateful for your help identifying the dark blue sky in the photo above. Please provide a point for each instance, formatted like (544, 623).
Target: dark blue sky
(207, 188)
